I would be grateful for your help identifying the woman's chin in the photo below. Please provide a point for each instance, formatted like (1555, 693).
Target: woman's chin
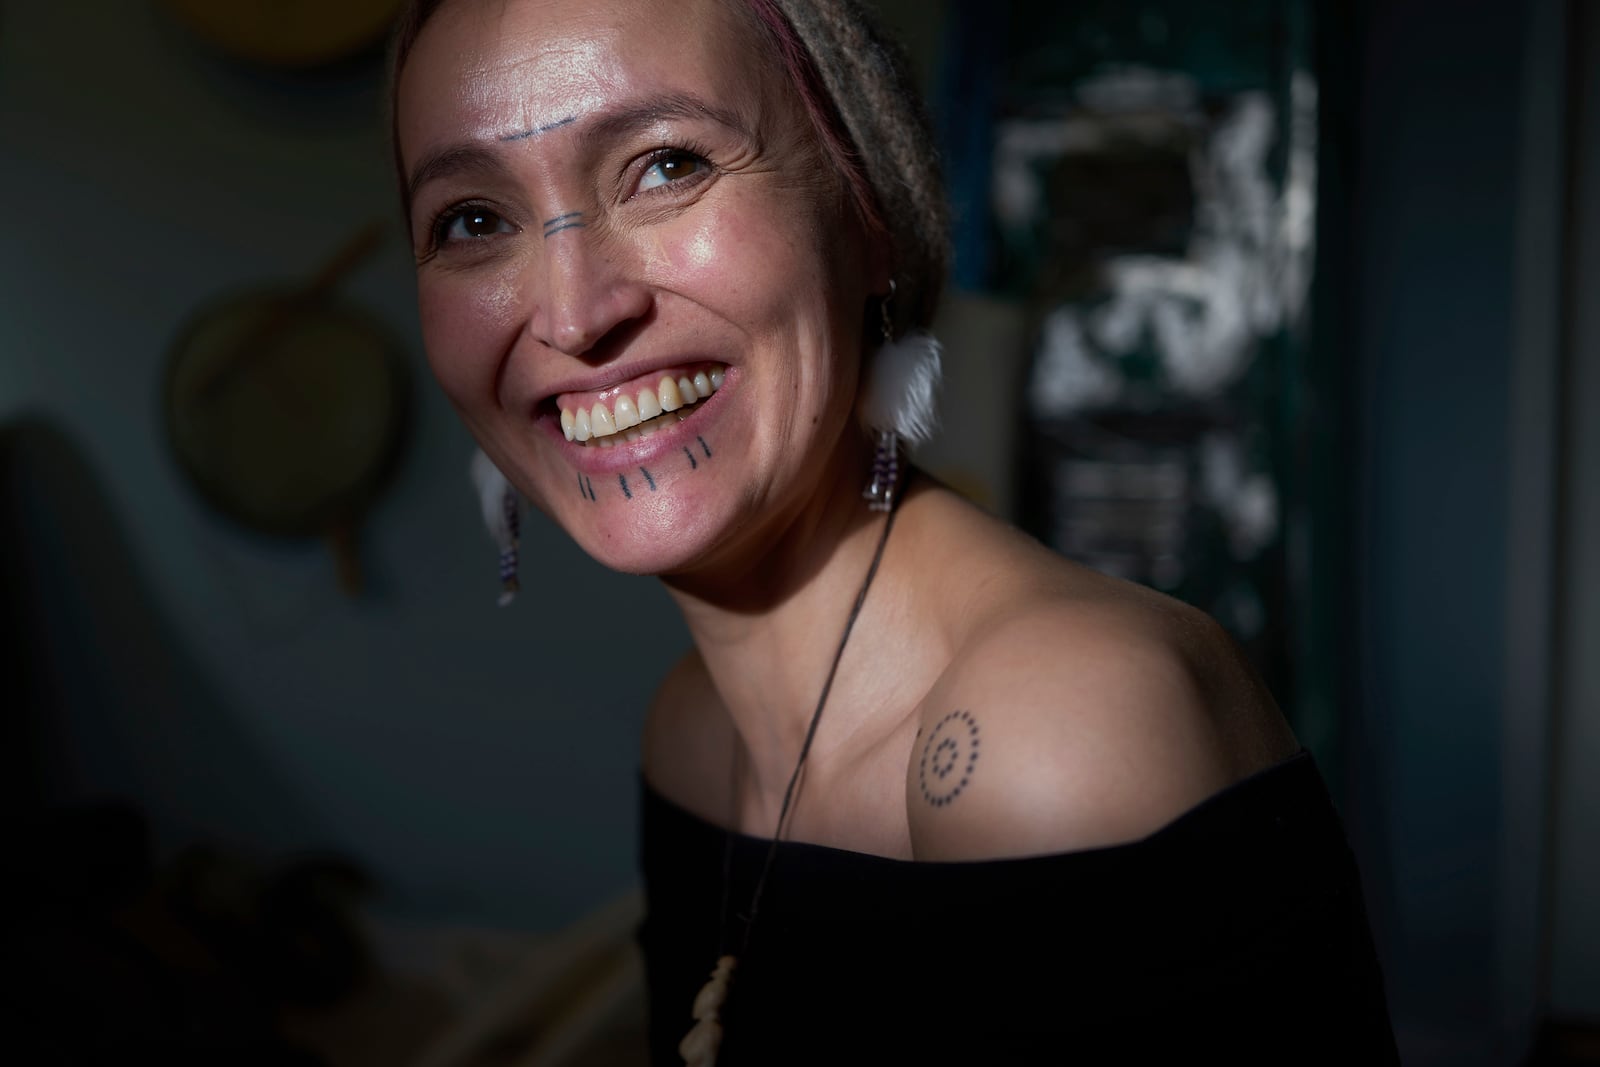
(652, 561)
(648, 535)
(689, 500)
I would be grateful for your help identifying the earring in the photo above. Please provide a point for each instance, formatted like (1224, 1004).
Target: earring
(502, 514)
(511, 511)
(898, 405)
(879, 493)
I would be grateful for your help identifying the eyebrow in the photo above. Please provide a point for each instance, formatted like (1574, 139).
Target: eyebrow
(624, 119)
(458, 159)
(612, 124)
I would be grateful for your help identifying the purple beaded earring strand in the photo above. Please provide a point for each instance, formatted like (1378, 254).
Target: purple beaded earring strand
(898, 404)
(502, 514)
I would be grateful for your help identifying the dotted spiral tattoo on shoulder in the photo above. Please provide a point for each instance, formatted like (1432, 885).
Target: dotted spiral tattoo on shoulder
(949, 756)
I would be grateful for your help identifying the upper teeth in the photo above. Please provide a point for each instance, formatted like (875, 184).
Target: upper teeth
(628, 412)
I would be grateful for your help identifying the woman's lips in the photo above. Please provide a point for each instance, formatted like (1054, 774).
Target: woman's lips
(636, 409)
(646, 441)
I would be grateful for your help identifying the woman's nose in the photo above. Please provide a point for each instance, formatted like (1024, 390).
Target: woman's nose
(587, 295)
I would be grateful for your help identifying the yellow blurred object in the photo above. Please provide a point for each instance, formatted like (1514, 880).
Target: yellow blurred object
(288, 33)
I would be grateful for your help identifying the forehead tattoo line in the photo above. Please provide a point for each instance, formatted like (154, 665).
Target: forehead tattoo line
(616, 121)
(612, 123)
(537, 130)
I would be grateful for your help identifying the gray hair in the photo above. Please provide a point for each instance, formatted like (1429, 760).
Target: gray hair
(867, 80)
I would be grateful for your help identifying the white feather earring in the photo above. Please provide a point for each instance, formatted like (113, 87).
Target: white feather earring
(502, 514)
(898, 404)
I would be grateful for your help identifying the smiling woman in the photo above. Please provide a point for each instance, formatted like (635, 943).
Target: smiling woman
(937, 796)
(634, 193)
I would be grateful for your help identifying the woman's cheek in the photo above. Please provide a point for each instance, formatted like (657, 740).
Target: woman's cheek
(467, 328)
(683, 256)
(699, 252)
(740, 247)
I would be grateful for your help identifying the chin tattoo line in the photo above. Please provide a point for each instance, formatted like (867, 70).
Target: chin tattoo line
(949, 756)
(586, 487)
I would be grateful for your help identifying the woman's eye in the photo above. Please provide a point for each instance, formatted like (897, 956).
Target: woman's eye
(670, 167)
(471, 223)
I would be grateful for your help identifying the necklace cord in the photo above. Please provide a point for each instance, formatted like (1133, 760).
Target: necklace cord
(811, 731)
(727, 852)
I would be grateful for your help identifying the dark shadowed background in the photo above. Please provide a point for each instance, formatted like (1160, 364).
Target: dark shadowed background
(1431, 595)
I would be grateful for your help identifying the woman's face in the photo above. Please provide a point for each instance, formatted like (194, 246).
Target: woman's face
(617, 206)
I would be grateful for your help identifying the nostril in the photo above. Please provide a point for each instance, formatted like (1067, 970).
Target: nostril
(591, 307)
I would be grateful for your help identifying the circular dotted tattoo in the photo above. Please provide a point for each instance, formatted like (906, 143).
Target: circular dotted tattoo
(948, 757)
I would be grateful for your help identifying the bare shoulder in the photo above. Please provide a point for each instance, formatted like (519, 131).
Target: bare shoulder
(1091, 713)
(688, 741)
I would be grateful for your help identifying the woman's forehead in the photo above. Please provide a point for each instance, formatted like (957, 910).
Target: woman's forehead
(496, 68)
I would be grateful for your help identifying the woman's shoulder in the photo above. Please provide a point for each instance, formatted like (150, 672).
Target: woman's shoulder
(688, 741)
(1080, 711)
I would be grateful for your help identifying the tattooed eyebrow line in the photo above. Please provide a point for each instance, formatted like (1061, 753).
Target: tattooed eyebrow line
(537, 130)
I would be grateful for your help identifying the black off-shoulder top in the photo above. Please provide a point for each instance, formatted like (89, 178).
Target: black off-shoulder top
(1236, 934)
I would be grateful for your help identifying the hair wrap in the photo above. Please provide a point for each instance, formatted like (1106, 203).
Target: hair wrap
(868, 82)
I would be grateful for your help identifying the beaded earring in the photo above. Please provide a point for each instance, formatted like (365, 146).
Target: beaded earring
(502, 514)
(898, 404)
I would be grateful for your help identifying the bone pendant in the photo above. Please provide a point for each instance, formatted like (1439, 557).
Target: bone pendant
(699, 1046)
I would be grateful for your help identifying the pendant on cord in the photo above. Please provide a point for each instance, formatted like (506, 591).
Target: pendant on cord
(699, 1046)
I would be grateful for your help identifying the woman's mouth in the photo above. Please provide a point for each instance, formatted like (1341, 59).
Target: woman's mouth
(637, 411)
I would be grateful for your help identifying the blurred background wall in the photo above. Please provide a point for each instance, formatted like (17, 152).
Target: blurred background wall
(417, 727)
(481, 763)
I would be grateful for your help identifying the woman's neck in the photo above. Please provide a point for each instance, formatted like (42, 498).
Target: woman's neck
(768, 631)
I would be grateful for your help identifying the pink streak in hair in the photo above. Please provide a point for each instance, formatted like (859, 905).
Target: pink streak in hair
(825, 118)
